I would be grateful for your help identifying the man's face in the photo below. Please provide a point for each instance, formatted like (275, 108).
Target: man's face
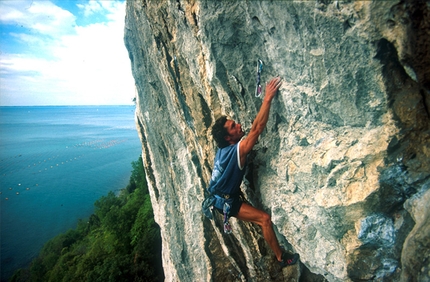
(234, 131)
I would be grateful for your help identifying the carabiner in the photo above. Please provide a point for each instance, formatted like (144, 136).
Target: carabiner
(259, 70)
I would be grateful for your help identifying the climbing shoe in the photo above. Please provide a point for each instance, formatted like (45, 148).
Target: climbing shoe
(288, 259)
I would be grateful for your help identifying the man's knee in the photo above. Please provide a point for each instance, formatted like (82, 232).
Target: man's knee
(266, 219)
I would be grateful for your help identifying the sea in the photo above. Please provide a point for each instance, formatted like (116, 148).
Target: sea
(55, 162)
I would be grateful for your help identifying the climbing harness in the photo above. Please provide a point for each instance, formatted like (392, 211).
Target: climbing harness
(259, 70)
(210, 201)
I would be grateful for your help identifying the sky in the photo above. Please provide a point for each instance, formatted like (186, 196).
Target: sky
(65, 52)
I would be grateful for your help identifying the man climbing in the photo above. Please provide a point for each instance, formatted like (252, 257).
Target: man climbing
(229, 169)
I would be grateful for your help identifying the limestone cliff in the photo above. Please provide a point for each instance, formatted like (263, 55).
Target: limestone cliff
(344, 164)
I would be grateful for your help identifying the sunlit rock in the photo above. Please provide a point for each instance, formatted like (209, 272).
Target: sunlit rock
(344, 164)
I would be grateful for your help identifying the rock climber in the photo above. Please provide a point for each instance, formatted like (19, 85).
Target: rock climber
(229, 170)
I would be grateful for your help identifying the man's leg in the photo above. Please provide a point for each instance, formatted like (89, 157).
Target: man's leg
(249, 213)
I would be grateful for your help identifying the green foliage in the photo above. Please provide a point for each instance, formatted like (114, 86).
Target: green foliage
(119, 242)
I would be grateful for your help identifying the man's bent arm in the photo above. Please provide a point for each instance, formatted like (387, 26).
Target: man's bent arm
(260, 121)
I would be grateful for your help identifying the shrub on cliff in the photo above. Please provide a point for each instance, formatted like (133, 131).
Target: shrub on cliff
(119, 242)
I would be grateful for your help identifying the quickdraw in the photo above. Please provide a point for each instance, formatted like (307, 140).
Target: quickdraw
(259, 70)
(226, 211)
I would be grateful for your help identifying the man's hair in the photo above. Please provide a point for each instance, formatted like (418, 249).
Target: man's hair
(219, 132)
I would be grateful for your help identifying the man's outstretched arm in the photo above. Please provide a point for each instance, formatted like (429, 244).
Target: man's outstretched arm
(260, 121)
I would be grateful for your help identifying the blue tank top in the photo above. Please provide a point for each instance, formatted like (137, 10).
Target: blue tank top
(227, 174)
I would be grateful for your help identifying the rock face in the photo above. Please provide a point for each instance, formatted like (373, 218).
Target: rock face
(344, 164)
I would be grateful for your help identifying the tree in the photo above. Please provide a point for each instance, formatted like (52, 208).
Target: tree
(119, 242)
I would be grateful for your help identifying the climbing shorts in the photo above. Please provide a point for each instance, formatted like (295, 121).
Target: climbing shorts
(234, 207)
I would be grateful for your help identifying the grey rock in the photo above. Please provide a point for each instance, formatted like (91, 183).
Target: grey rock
(378, 230)
(343, 166)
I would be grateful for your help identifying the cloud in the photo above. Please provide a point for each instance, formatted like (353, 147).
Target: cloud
(39, 16)
(80, 65)
(91, 8)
